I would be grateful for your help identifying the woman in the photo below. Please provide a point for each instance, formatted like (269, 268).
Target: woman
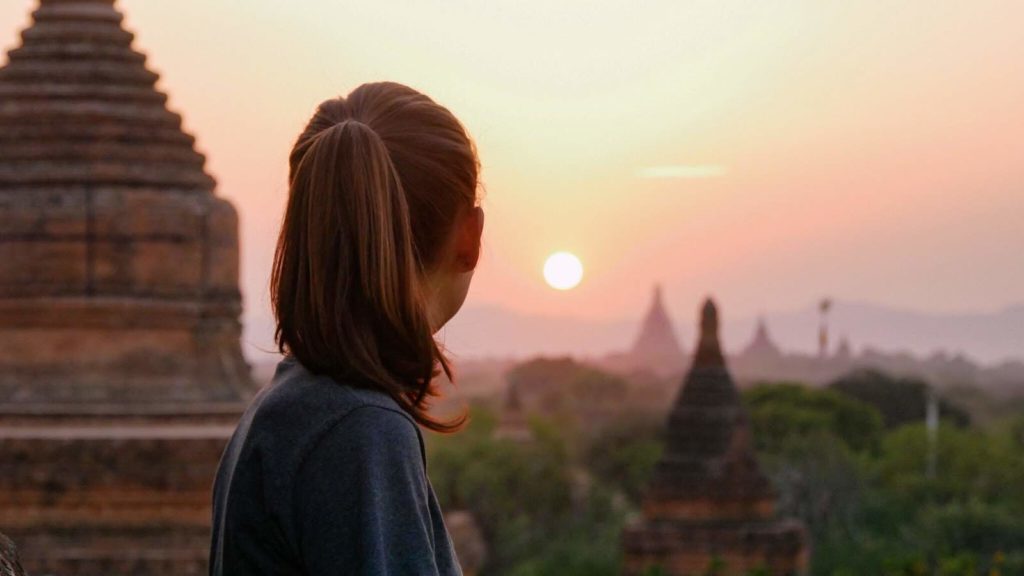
(325, 473)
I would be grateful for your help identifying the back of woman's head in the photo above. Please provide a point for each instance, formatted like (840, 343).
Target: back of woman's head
(377, 181)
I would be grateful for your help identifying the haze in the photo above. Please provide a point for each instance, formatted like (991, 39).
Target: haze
(770, 153)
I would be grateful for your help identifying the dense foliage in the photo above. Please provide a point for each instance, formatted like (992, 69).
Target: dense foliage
(557, 505)
(867, 496)
(567, 389)
(782, 412)
(899, 400)
(539, 512)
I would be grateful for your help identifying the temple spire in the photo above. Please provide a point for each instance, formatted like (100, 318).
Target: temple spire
(104, 194)
(761, 345)
(708, 497)
(656, 347)
(80, 107)
(709, 350)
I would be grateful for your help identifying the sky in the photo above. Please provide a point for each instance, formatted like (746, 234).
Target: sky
(770, 153)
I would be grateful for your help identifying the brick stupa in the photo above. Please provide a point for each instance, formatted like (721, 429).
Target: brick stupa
(513, 424)
(708, 504)
(121, 373)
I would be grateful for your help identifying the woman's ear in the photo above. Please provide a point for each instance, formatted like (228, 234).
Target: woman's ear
(467, 246)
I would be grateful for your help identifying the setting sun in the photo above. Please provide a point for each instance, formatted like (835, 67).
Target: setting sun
(563, 271)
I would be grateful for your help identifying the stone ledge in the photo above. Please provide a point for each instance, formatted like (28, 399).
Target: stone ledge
(114, 311)
(150, 550)
(54, 414)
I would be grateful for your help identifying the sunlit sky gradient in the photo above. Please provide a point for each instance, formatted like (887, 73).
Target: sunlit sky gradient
(769, 152)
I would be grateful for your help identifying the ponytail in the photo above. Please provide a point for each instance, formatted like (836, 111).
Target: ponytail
(355, 244)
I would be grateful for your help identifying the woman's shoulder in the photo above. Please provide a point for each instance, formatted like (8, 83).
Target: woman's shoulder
(301, 408)
(295, 392)
(310, 447)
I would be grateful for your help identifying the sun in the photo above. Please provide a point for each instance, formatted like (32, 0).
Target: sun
(563, 271)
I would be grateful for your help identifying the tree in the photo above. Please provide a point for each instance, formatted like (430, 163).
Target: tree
(900, 400)
(971, 465)
(564, 383)
(624, 454)
(526, 500)
(785, 411)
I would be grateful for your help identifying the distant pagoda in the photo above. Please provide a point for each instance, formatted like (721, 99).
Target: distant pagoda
(709, 503)
(121, 372)
(656, 347)
(761, 345)
(513, 423)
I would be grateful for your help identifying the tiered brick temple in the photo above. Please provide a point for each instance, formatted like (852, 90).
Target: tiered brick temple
(709, 505)
(121, 374)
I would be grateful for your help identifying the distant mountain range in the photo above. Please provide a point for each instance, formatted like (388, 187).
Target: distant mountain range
(984, 337)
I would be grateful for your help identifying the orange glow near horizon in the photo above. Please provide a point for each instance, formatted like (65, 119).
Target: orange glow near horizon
(768, 153)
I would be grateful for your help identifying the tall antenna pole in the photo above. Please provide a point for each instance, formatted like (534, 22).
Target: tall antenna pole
(823, 308)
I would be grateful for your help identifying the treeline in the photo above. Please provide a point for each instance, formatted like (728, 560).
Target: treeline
(852, 460)
(855, 463)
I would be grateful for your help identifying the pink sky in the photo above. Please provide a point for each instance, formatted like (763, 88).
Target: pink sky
(770, 154)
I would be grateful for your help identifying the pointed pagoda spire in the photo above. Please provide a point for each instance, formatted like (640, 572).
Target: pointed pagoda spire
(761, 345)
(110, 230)
(708, 498)
(656, 347)
(709, 461)
(79, 106)
(657, 337)
(709, 350)
(761, 332)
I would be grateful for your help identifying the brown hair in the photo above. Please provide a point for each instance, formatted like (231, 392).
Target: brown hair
(376, 183)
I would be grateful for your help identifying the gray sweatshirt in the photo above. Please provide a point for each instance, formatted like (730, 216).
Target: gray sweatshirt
(326, 478)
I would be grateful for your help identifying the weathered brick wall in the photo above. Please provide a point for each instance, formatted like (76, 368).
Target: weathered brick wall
(121, 372)
(94, 499)
(118, 264)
